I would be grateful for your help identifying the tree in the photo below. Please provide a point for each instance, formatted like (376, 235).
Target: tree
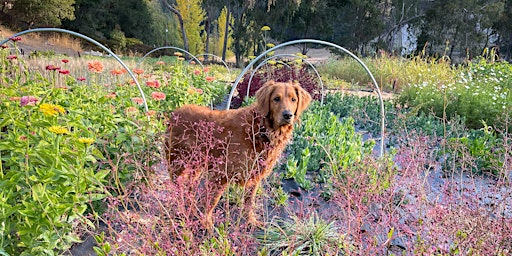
(193, 15)
(38, 13)
(461, 28)
(181, 21)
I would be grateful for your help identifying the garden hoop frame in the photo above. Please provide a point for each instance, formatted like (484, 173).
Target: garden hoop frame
(92, 41)
(289, 55)
(315, 41)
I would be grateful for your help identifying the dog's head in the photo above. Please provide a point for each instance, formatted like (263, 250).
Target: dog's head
(282, 103)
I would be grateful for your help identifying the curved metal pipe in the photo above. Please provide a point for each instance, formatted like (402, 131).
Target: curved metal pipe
(92, 41)
(382, 128)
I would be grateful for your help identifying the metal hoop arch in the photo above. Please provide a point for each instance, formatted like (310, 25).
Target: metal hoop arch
(92, 41)
(221, 60)
(288, 55)
(169, 47)
(381, 102)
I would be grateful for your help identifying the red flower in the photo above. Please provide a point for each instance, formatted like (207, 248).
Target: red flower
(4, 46)
(52, 67)
(64, 71)
(197, 72)
(209, 78)
(158, 95)
(80, 78)
(206, 69)
(65, 61)
(15, 39)
(12, 57)
(160, 63)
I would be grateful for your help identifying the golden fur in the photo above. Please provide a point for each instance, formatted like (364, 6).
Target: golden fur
(252, 139)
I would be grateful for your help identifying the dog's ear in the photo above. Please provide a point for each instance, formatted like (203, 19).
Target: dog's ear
(304, 98)
(263, 97)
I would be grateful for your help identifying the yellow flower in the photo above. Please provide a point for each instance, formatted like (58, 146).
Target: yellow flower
(51, 109)
(265, 28)
(58, 129)
(270, 45)
(86, 141)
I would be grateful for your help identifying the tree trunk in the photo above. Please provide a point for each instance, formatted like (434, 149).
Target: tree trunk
(226, 32)
(182, 25)
(207, 28)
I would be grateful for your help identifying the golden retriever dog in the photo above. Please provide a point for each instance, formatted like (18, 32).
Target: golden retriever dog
(252, 139)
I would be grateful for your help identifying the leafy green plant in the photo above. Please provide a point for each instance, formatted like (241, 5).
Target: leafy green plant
(310, 236)
(323, 144)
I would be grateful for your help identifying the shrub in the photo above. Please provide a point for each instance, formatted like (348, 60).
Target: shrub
(301, 74)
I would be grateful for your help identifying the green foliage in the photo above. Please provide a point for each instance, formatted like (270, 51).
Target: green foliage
(48, 171)
(324, 144)
(310, 236)
(482, 92)
(65, 144)
(41, 13)
(391, 73)
(485, 151)
(193, 15)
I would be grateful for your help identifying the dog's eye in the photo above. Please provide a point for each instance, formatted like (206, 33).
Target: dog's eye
(294, 99)
(276, 99)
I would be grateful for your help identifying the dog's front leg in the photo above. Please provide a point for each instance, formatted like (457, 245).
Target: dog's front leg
(249, 203)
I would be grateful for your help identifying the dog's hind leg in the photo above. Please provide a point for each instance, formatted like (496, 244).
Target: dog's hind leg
(216, 191)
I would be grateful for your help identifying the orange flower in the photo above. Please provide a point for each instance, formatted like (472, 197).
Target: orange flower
(160, 63)
(197, 72)
(209, 78)
(158, 95)
(206, 69)
(179, 54)
(200, 91)
(116, 72)
(95, 66)
(150, 113)
(138, 71)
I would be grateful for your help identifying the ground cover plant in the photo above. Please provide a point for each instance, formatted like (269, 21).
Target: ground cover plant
(80, 157)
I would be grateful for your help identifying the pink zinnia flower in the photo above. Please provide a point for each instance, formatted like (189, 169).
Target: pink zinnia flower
(65, 61)
(12, 57)
(64, 71)
(200, 91)
(80, 78)
(197, 72)
(158, 95)
(15, 39)
(28, 101)
(209, 78)
(150, 113)
(206, 69)
(138, 100)
(154, 84)
(111, 95)
(160, 63)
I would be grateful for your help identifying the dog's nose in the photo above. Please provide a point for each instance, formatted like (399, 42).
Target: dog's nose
(287, 115)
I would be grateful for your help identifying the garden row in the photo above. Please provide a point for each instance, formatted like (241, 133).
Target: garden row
(79, 155)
